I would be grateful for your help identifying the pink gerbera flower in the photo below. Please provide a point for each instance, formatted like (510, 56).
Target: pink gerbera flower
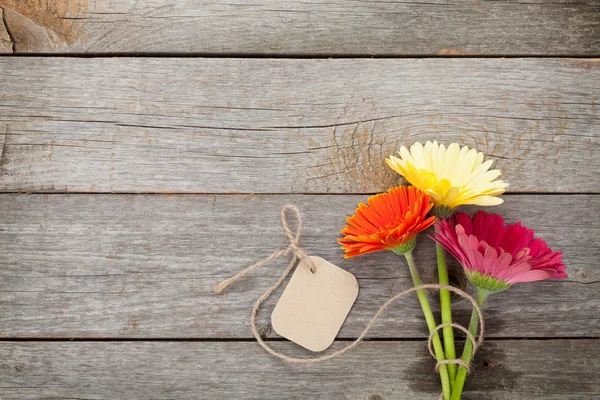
(496, 256)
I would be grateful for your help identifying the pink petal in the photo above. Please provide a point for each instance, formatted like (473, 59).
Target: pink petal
(489, 260)
(529, 276)
(513, 270)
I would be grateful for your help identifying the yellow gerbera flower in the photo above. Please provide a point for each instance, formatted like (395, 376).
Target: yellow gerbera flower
(452, 176)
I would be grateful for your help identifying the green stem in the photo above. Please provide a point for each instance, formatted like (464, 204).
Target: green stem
(468, 351)
(448, 332)
(437, 344)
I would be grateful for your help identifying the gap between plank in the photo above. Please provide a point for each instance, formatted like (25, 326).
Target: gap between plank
(249, 340)
(292, 55)
(232, 194)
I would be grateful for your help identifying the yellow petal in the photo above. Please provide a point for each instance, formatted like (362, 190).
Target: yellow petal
(450, 161)
(417, 152)
(451, 175)
(486, 201)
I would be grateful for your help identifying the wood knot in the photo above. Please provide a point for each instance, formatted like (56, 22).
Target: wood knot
(40, 26)
(19, 367)
(6, 42)
(356, 158)
(130, 327)
(581, 275)
(487, 364)
(376, 397)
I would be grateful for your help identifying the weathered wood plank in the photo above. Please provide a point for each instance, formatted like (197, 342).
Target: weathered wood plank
(305, 27)
(144, 266)
(6, 43)
(279, 126)
(556, 369)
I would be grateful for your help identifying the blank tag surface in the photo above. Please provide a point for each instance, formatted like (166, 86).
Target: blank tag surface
(314, 306)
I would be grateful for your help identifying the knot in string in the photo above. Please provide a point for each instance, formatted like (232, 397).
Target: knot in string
(476, 343)
(293, 247)
(300, 254)
(294, 244)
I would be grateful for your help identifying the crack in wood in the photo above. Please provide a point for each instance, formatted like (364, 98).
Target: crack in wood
(3, 151)
(11, 40)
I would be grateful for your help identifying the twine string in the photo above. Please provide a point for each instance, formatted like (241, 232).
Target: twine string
(476, 343)
(300, 254)
(293, 247)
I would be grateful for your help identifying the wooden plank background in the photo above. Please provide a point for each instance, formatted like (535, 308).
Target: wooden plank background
(333, 27)
(513, 369)
(108, 266)
(148, 147)
(310, 126)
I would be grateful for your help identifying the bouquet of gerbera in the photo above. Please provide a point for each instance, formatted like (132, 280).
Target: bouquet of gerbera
(494, 255)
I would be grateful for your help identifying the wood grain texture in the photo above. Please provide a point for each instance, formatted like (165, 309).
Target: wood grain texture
(144, 266)
(6, 43)
(279, 126)
(549, 370)
(341, 27)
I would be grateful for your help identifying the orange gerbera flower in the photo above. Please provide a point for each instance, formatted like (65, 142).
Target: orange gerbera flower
(390, 221)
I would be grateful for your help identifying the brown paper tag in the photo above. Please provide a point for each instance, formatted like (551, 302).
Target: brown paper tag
(314, 306)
